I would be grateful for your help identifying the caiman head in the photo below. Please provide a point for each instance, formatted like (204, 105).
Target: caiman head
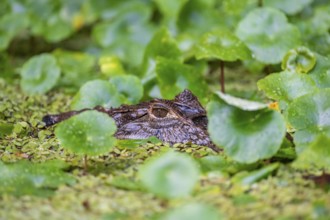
(181, 120)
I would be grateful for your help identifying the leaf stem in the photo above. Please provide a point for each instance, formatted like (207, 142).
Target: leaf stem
(260, 3)
(222, 76)
(85, 164)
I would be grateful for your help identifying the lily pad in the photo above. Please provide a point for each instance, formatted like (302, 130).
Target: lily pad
(40, 74)
(170, 175)
(299, 60)
(88, 133)
(97, 92)
(286, 86)
(246, 136)
(309, 115)
(222, 45)
(26, 178)
(267, 33)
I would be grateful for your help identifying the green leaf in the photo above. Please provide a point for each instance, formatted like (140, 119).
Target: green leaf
(170, 175)
(76, 67)
(10, 26)
(192, 211)
(267, 33)
(131, 143)
(97, 92)
(39, 74)
(246, 136)
(224, 164)
(316, 155)
(299, 60)
(111, 66)
(321, 72)
(88, 133)
(174, 77)
(289, 7)
(170, 8)
(243, 104)
(26, 178)
(222, 45)
(255, 176)
(309, 115)
(161, 45)
(286, 86)
(130, 86)
(235, 6)
(56, 28)
(127, 34)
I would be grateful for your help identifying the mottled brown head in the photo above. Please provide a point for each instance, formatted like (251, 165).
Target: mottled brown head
(181, 120)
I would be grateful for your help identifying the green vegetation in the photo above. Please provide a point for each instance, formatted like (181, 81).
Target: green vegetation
(273, 122)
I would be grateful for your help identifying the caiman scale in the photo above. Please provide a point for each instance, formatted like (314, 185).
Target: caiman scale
(181, 120)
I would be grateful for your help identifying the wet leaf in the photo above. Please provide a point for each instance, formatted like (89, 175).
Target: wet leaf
(170, 175)
(192, 211)
(128, 85)
(222, 45)
(286, 86)
(39, 74)
(246, 136)
(321, 72)
(309, 115)
(299, 60)
(88, 133)
(97, 92)
(26, 178)
(268, 35)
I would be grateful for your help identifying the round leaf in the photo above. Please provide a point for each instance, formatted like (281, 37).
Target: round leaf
(309, 115)
(194, 211)
(289, 7)
(170, 175)
(39, 74)
(130, 86)
(316, 155)
(174, 77)
(268, 34)
(97, 92)
(88, 133)
(299, 60)
(222, 45)
(286, 86)
(246, 136)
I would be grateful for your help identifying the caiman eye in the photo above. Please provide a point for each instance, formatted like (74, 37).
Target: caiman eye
(159, 112)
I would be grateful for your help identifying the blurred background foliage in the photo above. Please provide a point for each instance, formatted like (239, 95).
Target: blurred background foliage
(102, 38)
